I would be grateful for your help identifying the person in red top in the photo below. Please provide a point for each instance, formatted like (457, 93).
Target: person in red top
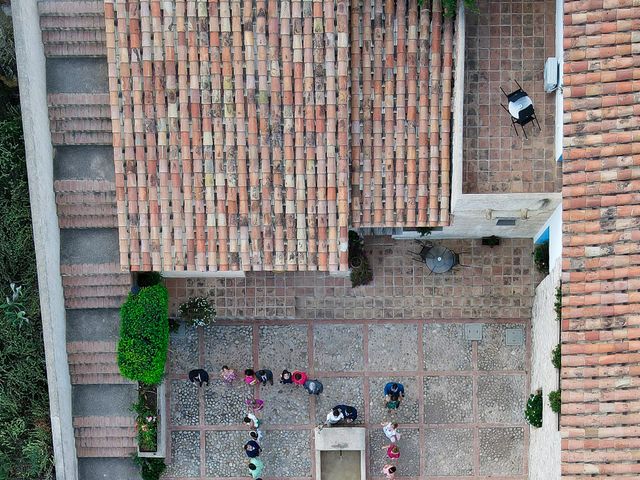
(393, 452)
(298, 377)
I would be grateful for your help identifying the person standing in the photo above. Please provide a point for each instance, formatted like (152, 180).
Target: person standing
(264, 376)
(285, 377)
(389, 471)
(256, 467)
(250, 377)
(256, 435)
(392, 389)
(252, 449)
(228, 375)
(298, 377)
(314, 387)
(251, 421)
(393, 452)
(199, 375)
(350, 413)
(334, 416)
(391, 431)
(254, 404)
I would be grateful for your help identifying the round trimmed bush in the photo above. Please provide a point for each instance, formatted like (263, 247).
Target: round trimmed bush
(144, 335)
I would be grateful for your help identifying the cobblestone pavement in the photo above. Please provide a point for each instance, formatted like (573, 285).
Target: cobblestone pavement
(462, 416)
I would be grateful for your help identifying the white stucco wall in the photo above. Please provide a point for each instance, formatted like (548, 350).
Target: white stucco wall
(544, 442)
(554, 224)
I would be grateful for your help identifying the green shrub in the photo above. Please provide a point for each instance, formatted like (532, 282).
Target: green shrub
(558, 303)
(541, 257)
(533, 411)
(556, 356)
(144, 335)
(197, 312)
(362, 274)
(555, 400)
(450, 7)
(150, 468)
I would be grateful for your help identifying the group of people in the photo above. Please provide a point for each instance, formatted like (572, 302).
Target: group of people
(393, 395)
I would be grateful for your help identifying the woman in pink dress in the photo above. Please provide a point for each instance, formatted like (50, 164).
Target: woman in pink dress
(393, 452)
(250, 377)
(228, 375)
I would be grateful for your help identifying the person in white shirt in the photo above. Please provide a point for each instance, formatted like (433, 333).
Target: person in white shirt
(334, 416)
(391, 431)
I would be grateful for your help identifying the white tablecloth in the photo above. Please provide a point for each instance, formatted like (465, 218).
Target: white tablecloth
(516, 107)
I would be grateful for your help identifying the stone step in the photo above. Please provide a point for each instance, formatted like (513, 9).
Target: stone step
(73, 28)
(96, 291)
(112, 279)
(112, 452)
(102, 302)
(99, 379)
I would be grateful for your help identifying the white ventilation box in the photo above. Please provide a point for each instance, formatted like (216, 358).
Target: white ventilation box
(551, 74)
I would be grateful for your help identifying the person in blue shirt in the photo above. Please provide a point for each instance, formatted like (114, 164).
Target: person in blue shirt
(252, 449)
(394, 389)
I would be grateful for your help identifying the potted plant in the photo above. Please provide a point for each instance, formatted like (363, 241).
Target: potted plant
(197, 312)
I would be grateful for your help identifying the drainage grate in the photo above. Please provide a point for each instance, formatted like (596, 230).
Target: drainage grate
(473, 331)
(514, 337)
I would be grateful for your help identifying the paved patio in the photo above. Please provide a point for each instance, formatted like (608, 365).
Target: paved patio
(508, 40)
(463, 413)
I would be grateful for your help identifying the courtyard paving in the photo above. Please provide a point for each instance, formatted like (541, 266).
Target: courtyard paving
(462, 416)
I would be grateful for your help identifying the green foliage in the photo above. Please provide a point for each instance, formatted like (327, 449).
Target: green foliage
(361, 273)
(533, 411)
(558, 303)
(144, 335)
(541, 257)
(197, 312)
(146, 425)
(556, 356)
(25, 432)
(450, 7)
(424, 231)
(148, 279)
(8, 66)
(150, 468)
(555, 400)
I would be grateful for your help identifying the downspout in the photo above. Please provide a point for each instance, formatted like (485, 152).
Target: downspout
(46, 233)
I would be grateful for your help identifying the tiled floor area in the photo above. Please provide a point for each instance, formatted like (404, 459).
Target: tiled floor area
(463, 412)
(494, 283)
(462, 415)
(506, 41)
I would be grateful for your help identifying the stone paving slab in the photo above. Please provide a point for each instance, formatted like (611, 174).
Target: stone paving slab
(448, 399)
(409, 462)
(283, 346)
(287, 454)
(501, 451)
(185, 402)
(337, 391)
(337, 347)
(185, 454)
(224, 454)
(500, 398)
(183, 350)
(392, 347)
(225, 404)
(449, 451)
(408, 412)
(445, 347)
(284, 404)
(495, 354)
(229, 345)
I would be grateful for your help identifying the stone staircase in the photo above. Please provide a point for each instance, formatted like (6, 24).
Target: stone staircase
(73, 28)
(94, 363)
(80, 118)
(86, 203)
(94, 285)
(105, 436)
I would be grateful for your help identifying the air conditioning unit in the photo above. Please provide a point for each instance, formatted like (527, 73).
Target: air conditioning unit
(551, 74)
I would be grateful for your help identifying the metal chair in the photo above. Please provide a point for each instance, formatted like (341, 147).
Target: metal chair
(525, 115)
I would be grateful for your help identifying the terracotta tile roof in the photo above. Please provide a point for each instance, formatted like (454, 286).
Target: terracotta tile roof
(232, 136)
(401, 81)
(601, 266)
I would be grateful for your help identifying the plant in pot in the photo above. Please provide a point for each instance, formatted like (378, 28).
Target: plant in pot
(147, 419)
(555, 400)
(197, 312)
(533, 410)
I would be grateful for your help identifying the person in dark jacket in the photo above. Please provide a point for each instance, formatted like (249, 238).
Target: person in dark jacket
(285, 377)
(199, 375)
(265, 376)
(350, 413)
(314, 387)
(252, 449)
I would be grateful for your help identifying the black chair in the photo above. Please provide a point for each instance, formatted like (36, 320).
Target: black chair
(525, 115)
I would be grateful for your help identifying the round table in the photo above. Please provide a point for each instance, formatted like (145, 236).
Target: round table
(516, 107)
(439, 259)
